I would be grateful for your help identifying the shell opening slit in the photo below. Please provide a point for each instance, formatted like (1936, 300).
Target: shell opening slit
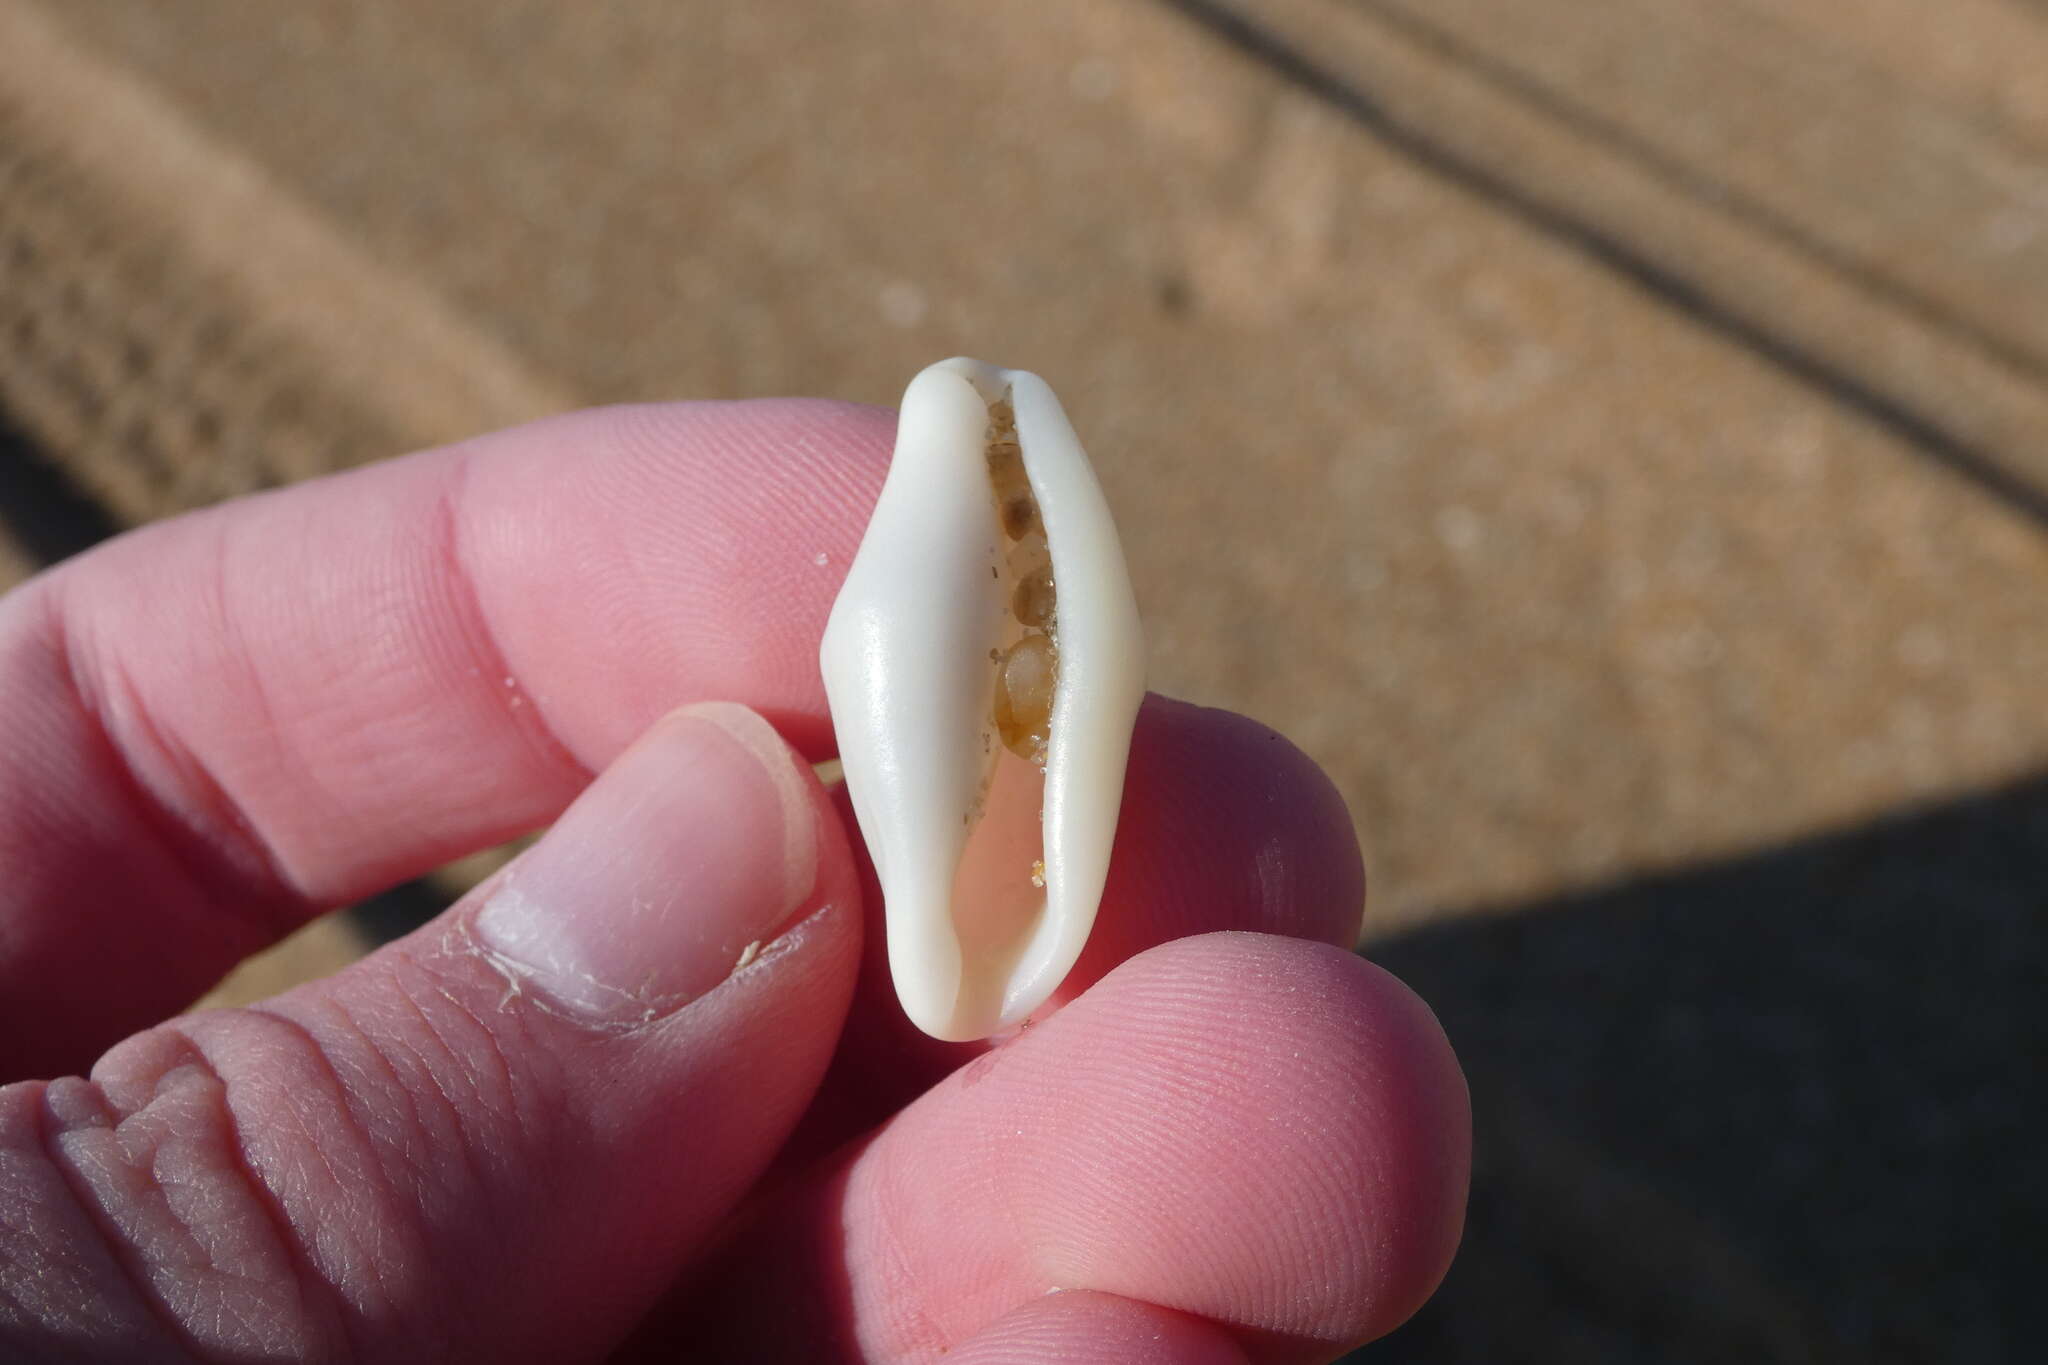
(1028, 670)
(999, 892)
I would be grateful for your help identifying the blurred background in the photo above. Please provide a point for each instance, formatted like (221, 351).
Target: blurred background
(1610, 435)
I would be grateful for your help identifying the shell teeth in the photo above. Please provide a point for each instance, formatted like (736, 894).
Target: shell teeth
(984, 666)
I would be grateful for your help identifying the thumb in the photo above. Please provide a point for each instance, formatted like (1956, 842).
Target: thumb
(501, 1135)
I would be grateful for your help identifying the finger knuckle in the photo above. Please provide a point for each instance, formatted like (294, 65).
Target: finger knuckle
(137, 1186)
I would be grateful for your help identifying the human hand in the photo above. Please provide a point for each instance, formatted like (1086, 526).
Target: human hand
(559, 1122)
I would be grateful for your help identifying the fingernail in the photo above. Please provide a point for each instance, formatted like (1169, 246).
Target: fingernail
(694, 848)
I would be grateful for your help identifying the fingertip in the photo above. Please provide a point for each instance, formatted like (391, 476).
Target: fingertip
(1226, 825)
(1412, 1135)
(1331, 1104)
(1379, 1114)
(686, 855)
(1263, 1132)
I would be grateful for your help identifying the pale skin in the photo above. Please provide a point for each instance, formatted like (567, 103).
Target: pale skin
(560, 1122)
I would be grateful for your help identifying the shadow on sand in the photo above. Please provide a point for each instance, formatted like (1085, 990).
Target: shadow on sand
(1784, 1108)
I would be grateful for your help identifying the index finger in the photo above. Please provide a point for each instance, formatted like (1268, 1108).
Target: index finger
(218, 725)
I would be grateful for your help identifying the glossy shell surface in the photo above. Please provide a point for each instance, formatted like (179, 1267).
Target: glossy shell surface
(991, 864)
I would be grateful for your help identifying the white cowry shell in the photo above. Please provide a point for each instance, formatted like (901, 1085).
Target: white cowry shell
(962, 831)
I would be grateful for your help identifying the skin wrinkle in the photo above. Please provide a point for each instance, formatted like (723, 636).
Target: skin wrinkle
(317, 1145)
(410, 1193)
(458, 1063)
(254, 875)
(47, 1136)
(215, 878)
(916, 1326)
(411, 1121)
(415, 1142)
(525, 1115)
(124, 1254)
(49, 1245)
(480, 1155)
(175, 1076)
(469, 1125)
(208, 822)
(314, 1288)
(233, 625)
(474, 626)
